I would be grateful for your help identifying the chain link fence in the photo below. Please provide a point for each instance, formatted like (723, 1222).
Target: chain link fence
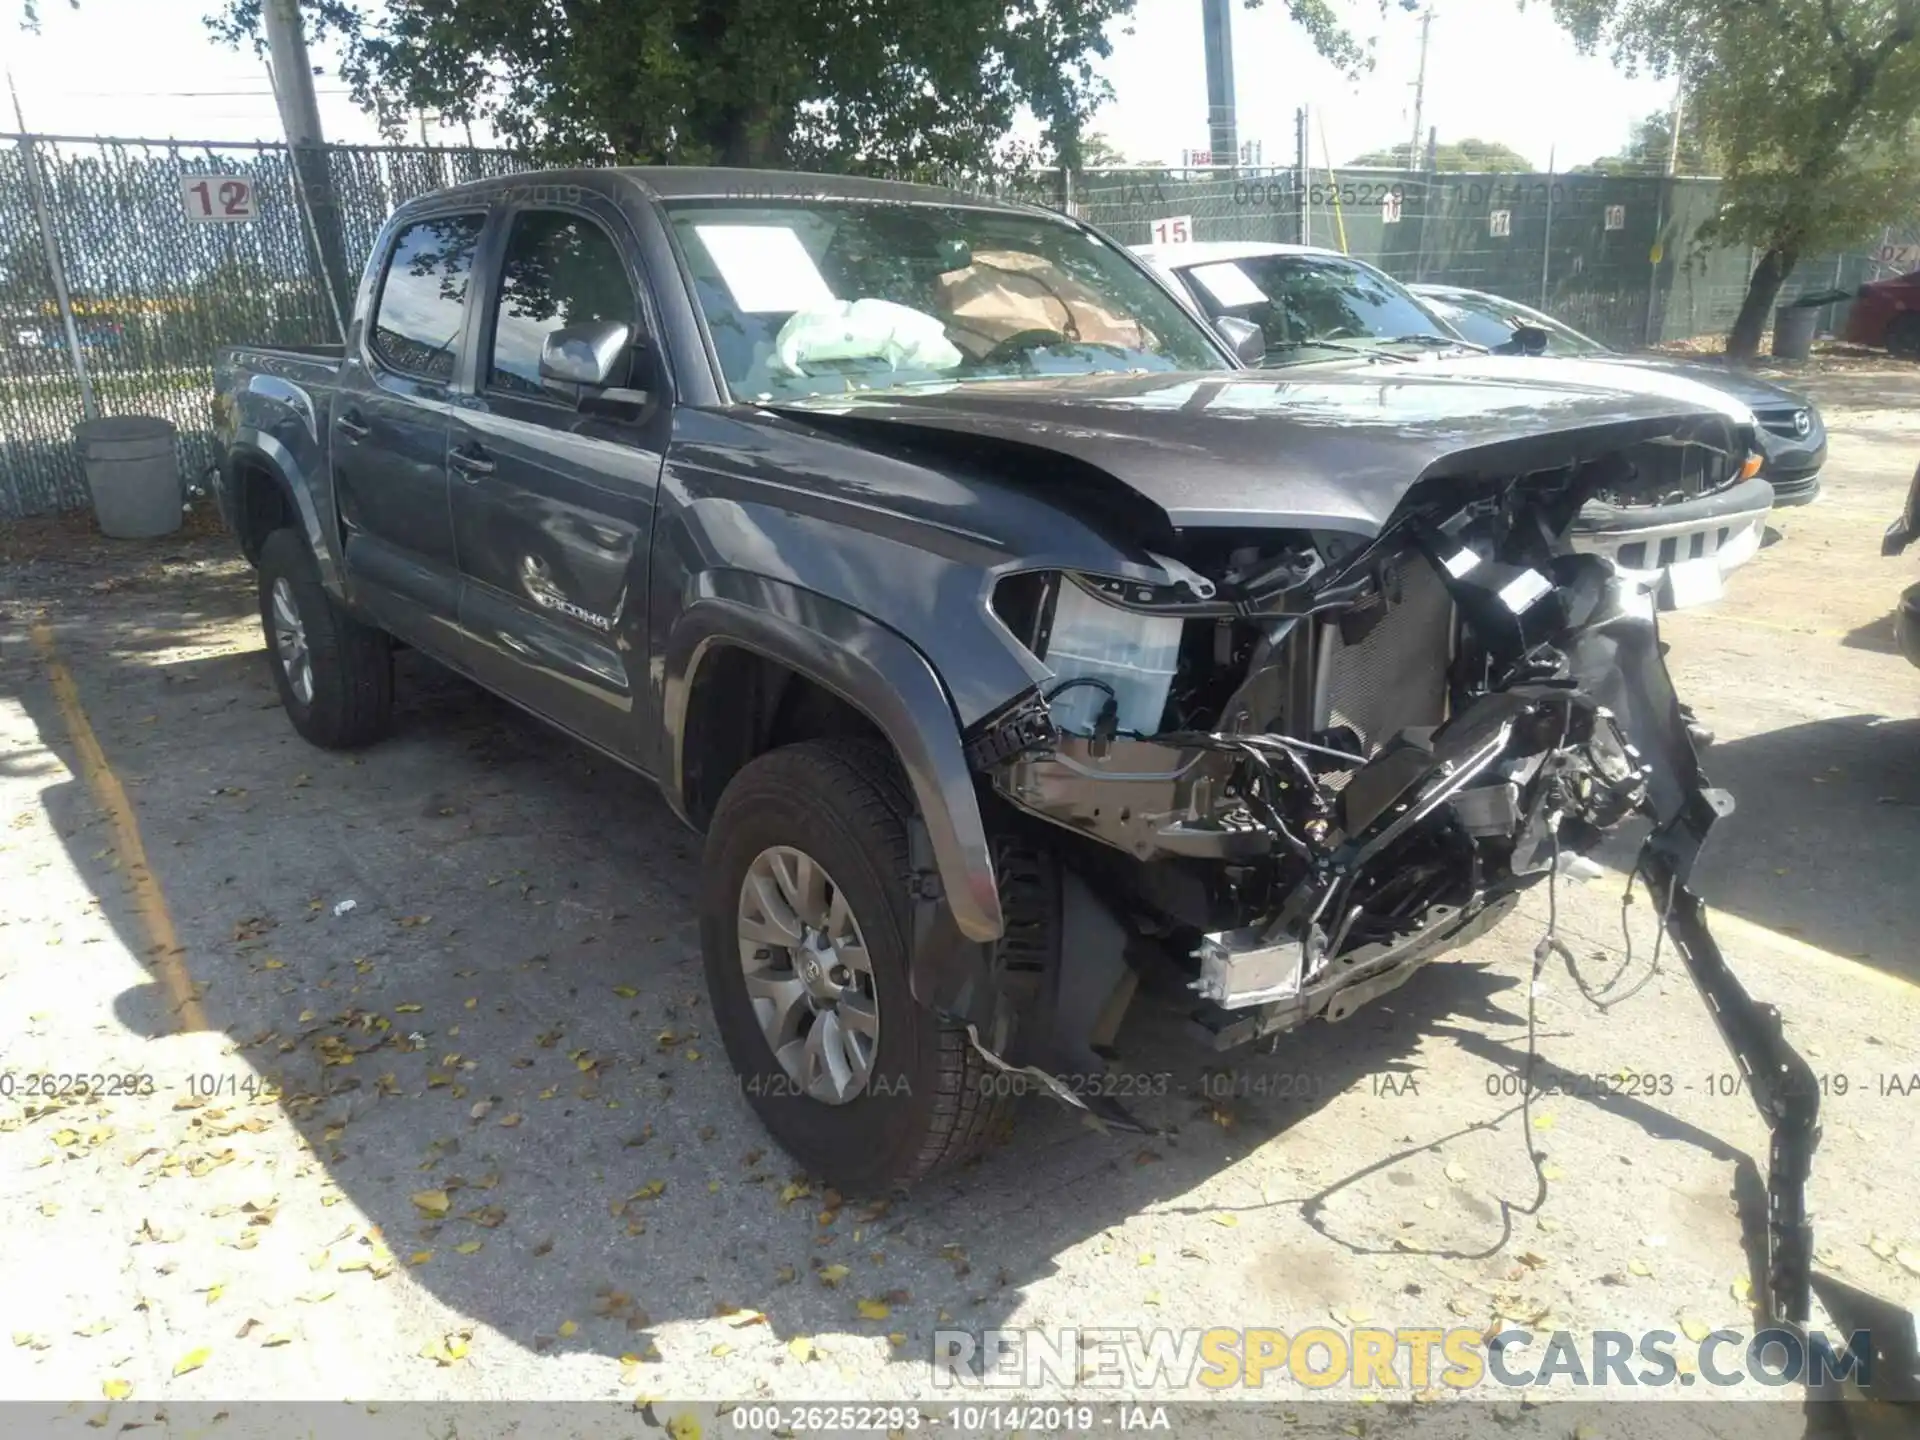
(160, 276)
(1618, 256)
(158, 283)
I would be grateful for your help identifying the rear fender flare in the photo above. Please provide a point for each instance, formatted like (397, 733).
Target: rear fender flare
(873, 669)
(256, 450)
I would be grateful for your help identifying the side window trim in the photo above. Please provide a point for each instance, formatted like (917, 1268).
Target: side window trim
(486, 334)
(370, 355)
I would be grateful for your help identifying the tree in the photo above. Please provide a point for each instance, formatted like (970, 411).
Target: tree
(1651, 145)
(903, 86)
(1484, 156)
(1812, 104)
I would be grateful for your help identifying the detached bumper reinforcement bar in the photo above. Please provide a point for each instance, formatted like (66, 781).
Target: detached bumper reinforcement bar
(1784, 1087)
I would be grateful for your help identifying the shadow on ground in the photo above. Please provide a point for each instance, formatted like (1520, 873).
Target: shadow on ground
(1822, 843)
(522, 942)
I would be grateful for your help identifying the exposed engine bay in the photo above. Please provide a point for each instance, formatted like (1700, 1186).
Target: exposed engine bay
(1300, 765)
(1336, 759)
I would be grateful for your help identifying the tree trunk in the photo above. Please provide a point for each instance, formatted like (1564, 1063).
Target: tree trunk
(1763, 288)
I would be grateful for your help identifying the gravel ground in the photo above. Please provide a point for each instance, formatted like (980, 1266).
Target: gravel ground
(421, 1099)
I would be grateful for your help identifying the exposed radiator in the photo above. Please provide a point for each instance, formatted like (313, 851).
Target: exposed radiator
(1394, 676)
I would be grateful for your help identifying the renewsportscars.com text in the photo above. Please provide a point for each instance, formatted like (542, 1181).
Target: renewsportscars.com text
(1410, 1358)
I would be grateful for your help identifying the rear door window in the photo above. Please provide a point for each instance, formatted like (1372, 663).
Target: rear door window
(423, 297)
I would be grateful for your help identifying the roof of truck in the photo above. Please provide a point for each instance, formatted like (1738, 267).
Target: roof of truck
(710, 182)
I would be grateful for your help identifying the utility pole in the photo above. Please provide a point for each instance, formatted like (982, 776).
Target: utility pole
(1223, 129)
(1674, 118)
(292, 74)
(1302, 174)
(1420, 91)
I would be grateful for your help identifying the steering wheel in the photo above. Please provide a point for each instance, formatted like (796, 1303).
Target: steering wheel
(1017, 344)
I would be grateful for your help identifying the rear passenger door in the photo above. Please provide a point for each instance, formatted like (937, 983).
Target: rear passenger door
(552, 502)
(388, 437)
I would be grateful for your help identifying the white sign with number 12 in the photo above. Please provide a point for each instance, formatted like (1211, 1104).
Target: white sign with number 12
(1174, 230)
(219, 197)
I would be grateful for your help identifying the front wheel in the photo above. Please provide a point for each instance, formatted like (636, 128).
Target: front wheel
(334, 674)
(804, 922)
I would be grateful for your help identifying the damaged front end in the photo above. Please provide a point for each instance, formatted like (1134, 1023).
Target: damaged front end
(1296, 767)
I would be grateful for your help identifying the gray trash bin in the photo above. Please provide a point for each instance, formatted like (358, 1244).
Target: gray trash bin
(133, 473)
(1793, 327)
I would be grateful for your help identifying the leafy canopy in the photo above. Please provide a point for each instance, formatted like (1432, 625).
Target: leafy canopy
(1483, 156)
(914, 86)
(1809, 105)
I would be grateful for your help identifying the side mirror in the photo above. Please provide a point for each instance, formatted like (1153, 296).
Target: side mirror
(1246, 339)
(1527, 340)
(589, 356)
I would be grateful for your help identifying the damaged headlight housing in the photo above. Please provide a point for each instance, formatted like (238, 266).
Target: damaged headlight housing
(1113, 667)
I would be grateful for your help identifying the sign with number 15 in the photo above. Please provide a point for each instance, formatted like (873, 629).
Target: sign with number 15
(219, 197)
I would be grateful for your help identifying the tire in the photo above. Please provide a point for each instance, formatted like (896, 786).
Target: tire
(349, 666)
(1903, 337)
(928, 1100)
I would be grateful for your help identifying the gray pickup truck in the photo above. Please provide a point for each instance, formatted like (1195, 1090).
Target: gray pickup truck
(1009, 639)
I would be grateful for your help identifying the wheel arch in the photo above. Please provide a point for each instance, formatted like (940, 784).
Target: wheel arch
(817, 666)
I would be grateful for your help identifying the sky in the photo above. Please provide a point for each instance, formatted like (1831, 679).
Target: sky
(1494, 72)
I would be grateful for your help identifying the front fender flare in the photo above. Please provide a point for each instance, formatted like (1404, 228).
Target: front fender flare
(873, 669)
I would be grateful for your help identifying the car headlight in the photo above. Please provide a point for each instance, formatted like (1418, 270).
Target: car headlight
(1112, 666)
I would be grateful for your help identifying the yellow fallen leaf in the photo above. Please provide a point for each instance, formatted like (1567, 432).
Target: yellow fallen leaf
(1543, 1121)
(214, 1292)
(648, 1190)
(874, 1309)
(740, 1319)
(1228, 1220)
(1145, 1258)
(832, 1275)
(683, 1427)
(1456, 1172)
(192, 1360)
(798, 1190)
(273, 964)
(277, 1337)
(406, 1009)
(469, 1247)
(1695, 1330)
(722, 1349)
(1550, 1171)
(1742, 1290)
(434, 1202)
(1637, 1266)
(625, 992)
(507, 1122)
(314, 1297)
(568, 1327)
(420, 1257)
(473, 1002)
(801, 1348)
(116, 1388)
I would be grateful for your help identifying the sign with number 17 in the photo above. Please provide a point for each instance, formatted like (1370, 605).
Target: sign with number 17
(219, 197)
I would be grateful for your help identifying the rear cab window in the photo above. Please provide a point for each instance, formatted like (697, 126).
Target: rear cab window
(418, 316)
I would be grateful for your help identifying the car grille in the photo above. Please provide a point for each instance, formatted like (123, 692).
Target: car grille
(1394, 676)
(1780, 420)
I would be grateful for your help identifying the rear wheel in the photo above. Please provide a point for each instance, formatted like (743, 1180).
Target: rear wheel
(334, 674)
(804, 922)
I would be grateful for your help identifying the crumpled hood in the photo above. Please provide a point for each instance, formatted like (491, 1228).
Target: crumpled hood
(1325, 447)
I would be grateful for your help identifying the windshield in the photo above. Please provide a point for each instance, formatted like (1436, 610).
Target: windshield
(812, 297)
(1308, 302)
(1489, 320)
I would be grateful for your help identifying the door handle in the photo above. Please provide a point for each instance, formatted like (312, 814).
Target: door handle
(470, 463)
(352, 427)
